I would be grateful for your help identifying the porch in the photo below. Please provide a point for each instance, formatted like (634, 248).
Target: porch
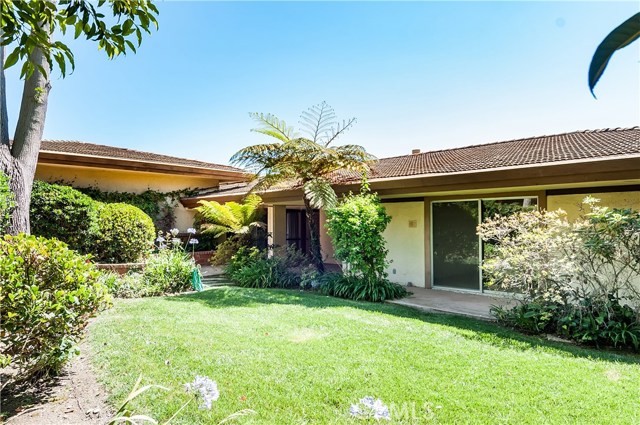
(460, 303)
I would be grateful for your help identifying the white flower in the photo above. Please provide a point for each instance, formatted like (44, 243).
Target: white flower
(174, 231)
(193, 241)
(369, 407)
(176, 241)
(160, 239)
(204, 388)
(191, 230)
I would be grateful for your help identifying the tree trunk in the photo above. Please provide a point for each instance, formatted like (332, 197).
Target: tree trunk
(314, 236)
(4, 118)
(19, 160)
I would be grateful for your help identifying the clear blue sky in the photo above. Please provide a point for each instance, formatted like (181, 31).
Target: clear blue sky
(426, 75)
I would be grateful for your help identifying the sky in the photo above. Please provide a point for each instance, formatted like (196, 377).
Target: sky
(416, 75)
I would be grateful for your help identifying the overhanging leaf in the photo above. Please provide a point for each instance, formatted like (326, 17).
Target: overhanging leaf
(622, 36)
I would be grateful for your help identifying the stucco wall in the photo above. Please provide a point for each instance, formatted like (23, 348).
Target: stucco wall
(127, 181)
(325, 241)
(572, 203)
(406, 243)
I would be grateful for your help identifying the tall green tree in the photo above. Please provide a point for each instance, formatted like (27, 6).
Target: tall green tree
(306, 162)
(29, 30)
(623, 35)
(239, 219)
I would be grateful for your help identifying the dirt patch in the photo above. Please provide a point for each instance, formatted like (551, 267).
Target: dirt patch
(74, 398)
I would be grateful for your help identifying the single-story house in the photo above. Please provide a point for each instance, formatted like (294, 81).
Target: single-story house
(111, 169)
(437, 198)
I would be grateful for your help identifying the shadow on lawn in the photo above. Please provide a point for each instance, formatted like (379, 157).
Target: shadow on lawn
(472, 329)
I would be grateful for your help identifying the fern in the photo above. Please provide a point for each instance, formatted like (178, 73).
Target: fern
(320, 193)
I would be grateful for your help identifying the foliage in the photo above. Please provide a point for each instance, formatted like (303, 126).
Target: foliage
(125, 234)
(226, 250)
(27, 25)
(157, 205)
(580, 279)
(6, 202)
(531, 254)
(129, 285)
(168, 271)
(306, 162)
(231, 217)
(355, 227)
(64, 213)
(47, 296)
(253, 268)
(360, 288)
(620, 37)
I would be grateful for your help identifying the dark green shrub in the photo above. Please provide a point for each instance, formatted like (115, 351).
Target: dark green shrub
(360, 288)
(226, 250)
(6, 202)
(252, 268)
(47, 296)
(64, 213)
(125, 234)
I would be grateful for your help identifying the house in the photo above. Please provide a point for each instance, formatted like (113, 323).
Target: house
(437, 198)
(110, 168)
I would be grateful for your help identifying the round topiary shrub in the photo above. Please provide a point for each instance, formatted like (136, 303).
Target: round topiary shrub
(125, 234)
(47, 295)
(63, 213)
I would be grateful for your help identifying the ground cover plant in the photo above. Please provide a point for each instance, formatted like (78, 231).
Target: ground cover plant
(299, 357)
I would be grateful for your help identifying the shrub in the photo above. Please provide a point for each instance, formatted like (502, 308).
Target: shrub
(129, 285)
(125, 234)
(47, 295)
(253, 268)
(531, 317)
(63, 213)
(6, 202)
(226, 250)
(356, 227)
(360, 288)
(168, 271)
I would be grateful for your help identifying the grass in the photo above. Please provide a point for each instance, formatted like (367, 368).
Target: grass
(299, 358)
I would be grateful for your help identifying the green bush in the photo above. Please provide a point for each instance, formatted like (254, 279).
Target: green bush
(531, 317)
(360, 288)
(129, 285)
(226, 250)
(168, 271)
(47, 296)
(125, 234)
(6, 202)
(64, 213)
(252, 268)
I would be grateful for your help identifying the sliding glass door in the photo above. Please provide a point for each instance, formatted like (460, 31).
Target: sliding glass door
(455, 244)
(457, 250)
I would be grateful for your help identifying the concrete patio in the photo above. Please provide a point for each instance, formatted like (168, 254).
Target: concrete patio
(463, 304)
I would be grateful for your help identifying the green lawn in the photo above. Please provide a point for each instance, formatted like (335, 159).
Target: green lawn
(299, 358)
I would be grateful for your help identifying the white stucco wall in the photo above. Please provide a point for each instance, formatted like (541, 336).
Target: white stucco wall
(572, 203)
(406, 243)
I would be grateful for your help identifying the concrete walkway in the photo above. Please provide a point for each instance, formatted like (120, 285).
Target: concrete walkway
(463, 304)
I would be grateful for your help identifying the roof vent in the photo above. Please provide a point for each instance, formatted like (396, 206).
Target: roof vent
(415, 151)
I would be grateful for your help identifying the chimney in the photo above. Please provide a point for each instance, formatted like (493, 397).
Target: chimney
(415, 151)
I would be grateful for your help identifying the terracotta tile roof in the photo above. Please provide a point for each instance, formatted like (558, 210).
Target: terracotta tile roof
(579, 145)
(92, 149)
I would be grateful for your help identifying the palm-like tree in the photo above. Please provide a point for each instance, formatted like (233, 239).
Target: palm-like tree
(307, 162)
(231, 217)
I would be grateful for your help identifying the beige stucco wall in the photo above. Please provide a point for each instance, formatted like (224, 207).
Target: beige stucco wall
(127, 181)
(572, 203)
(405, 243)
(325, 241)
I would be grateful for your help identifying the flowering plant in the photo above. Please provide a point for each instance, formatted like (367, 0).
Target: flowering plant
(368, 408)
(170, 240)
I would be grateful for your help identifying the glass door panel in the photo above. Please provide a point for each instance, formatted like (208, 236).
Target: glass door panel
(456, 246)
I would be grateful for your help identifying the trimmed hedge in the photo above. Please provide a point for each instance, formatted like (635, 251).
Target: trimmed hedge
(125, 234)
(64, 213)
